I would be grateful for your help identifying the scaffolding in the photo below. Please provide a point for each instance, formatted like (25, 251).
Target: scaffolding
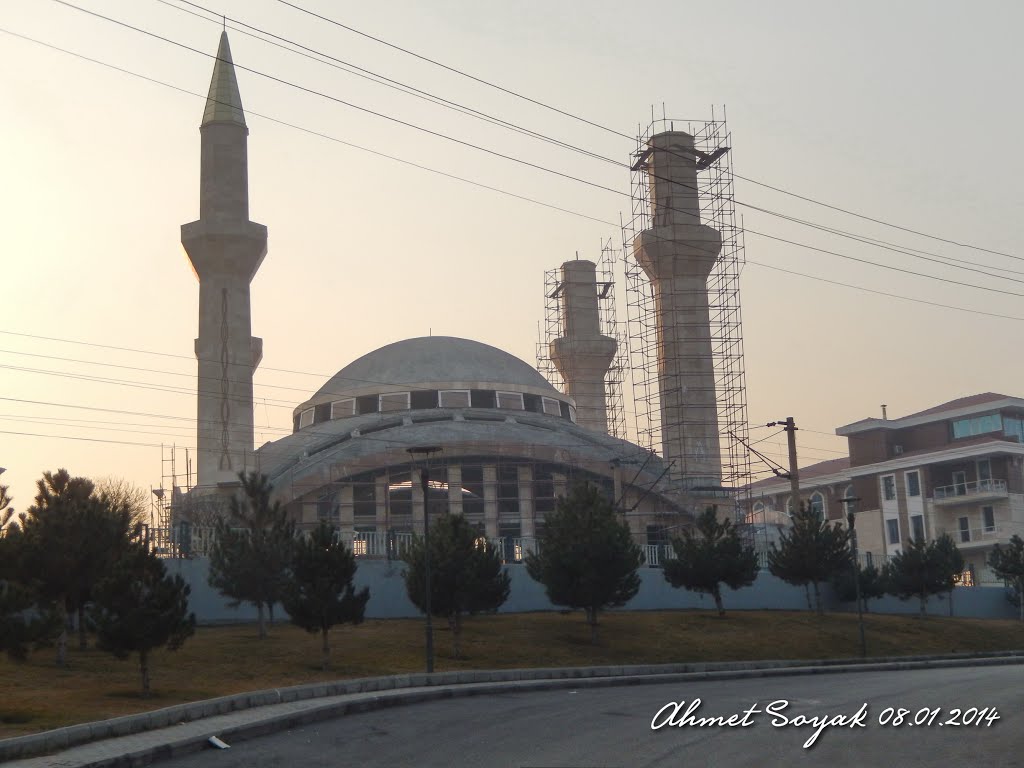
(715, 199)
(553, 328)
(166, 501)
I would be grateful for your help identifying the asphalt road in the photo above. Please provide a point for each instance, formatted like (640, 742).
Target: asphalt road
(613, 726)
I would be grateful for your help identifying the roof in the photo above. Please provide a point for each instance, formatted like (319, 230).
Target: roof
(961, 402)
(821, 469)
(435, 362)
(224, 102)
(961, 407)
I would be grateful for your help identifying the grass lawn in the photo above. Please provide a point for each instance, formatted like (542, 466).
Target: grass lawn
(37, 696)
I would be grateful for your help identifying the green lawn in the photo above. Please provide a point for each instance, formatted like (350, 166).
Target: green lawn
(217, 661)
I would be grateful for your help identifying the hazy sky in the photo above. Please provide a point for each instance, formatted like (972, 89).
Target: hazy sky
(907, 112)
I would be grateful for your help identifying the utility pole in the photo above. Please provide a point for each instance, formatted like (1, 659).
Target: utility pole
(851, 521)
(794, 472)
(428, 628)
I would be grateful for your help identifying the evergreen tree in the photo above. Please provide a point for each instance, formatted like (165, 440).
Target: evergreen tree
(871, 585)
(26, 620)
(319, 591)
(587, 558)
(466, 574)
(252, 548)
(73, 538)
(714, 557)
(922, 569)
(810, 552)
(1008, 564)
(139, 608)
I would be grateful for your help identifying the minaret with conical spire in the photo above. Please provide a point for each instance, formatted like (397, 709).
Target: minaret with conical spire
(225, 249)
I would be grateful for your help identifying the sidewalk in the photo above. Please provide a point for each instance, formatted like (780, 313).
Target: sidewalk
(149, 737)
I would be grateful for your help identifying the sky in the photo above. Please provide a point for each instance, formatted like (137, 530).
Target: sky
(906, 113)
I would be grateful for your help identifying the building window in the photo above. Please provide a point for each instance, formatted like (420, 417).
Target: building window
(512, 401)
(979, 425)
(326, 509)
(818, 505)
(965, 529)
(552, 407)
(364, 498)
(988, 516)
(508, 490)
(917, 526)
(960, 483)
(473, 492)
(342, 409)
(454, 398)
(572, 413)
(892, 527)
(889, 487)
(984, 473)
(913, 484)
(394, 401)
(1013, 427)
(306, 418)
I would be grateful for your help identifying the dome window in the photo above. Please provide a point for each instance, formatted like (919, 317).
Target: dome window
(512, 401)
(552, 407)
(306, 418)
(394, 401)
(342, 409)
(454, 398)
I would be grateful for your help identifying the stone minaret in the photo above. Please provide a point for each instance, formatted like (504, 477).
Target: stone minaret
(226, 249)
(678, 253)
(582, 355)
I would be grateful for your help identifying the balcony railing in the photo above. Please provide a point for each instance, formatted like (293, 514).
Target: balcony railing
(974, 488)
(966, 537)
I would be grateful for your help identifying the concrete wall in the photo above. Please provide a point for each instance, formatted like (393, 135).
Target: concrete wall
(389, 600)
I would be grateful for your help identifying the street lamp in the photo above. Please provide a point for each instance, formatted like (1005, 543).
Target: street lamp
(425, 452)
(851, 519)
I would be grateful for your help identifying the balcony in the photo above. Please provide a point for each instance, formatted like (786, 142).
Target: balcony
(969, 493)
(979, 537)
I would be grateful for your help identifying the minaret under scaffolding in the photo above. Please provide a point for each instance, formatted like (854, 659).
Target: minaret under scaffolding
(226, 250)
(678, 253)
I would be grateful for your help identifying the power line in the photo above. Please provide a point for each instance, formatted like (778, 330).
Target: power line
(456, 71)
(884, 293)
(633, 138)
(518, 160)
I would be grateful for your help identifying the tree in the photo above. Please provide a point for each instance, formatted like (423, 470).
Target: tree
(319, 591)
(26, 619)
(466, 574)
(73, 538)
(587, 558)
(252, 548)
(139, 608)
(810, 552)
(923, 569)
(714, 557)
(871, 585)
(122, 494)
(1008, 564)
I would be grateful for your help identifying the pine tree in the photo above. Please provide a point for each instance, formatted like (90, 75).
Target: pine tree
(712, 556)
(319, 592)
(587, 557)
(871, 585)
(252, 548)
(810, 552)
(466, 574)
(1008, 564)
(26, 620)
(139, 608)
(73, 538)
(922, 569)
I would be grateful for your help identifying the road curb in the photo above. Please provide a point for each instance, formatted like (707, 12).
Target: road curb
(369, 694)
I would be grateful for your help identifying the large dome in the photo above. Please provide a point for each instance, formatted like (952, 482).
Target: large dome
(432, 362)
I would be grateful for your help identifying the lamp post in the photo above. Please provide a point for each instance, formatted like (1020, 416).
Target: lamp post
(851, 519)
(425, 452)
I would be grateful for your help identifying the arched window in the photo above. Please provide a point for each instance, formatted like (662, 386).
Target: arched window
(818, 505)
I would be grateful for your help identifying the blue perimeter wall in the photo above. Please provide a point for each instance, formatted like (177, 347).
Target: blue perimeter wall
(388, 599)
